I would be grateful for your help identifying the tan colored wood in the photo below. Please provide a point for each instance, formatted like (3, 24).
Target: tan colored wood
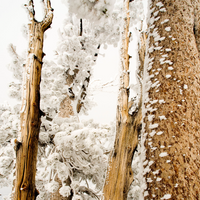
(56, 195)
(172, 151)
(119, 174)
(66, 106)
(30, 111)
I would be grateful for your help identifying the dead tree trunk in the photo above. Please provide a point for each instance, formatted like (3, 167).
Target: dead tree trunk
(119, 174)
(30, 112)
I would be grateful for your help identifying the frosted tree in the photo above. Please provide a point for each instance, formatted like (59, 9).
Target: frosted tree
(89, 143)
(170, 141)
(128, 121)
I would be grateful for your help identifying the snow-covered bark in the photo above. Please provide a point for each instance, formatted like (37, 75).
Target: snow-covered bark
(171, 102)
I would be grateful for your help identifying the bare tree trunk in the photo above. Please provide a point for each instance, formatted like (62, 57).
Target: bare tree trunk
(30, 112)
(119, 174)
(172, 101)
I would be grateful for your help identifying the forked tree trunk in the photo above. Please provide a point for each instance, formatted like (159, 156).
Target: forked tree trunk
(172, 101)
(30, 112)
(119, 174)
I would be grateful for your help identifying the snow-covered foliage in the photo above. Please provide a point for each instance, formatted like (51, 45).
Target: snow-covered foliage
(53, 86)
(9, 124)
(75, 150)
(91, 9)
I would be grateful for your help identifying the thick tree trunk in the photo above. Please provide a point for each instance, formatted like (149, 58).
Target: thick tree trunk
(30, 112)
(119, 174)
(172, 101)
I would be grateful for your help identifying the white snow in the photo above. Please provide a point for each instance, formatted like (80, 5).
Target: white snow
(158, 179)
(155, 13)
(157, 18)
(155, 84)
(168, 76)
(156, 172)
(168, 28)
(166, 196)
(170, 68)
(152, 133)
(149, 180)
(169, 62)
(161, 101)
(165, 21)
(163, 10)
(159, 4)
(162, 117)
(185, 86)
(163, 154)
(146, 193)
(158, 48)
(154, 148)
(151, 163)
(150, 117)
(162, 38)
(152, 126)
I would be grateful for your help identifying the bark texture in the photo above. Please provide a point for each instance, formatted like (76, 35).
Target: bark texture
(26, 151)
(119, 174)
(172, 101)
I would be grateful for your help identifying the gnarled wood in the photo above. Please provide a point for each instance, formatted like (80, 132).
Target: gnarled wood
(30, 111)
(119, 174)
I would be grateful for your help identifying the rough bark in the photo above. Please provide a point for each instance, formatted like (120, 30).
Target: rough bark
(26, 152)
(119, 174)
(172, 101)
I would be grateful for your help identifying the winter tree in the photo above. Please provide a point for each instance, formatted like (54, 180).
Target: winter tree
(73, 155)
(119, 173)
(89, 143)
(170, 140)
(27, 141)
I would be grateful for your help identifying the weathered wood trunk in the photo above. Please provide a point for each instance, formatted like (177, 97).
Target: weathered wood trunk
(30, 111)
(172, 101)
(119, 174)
